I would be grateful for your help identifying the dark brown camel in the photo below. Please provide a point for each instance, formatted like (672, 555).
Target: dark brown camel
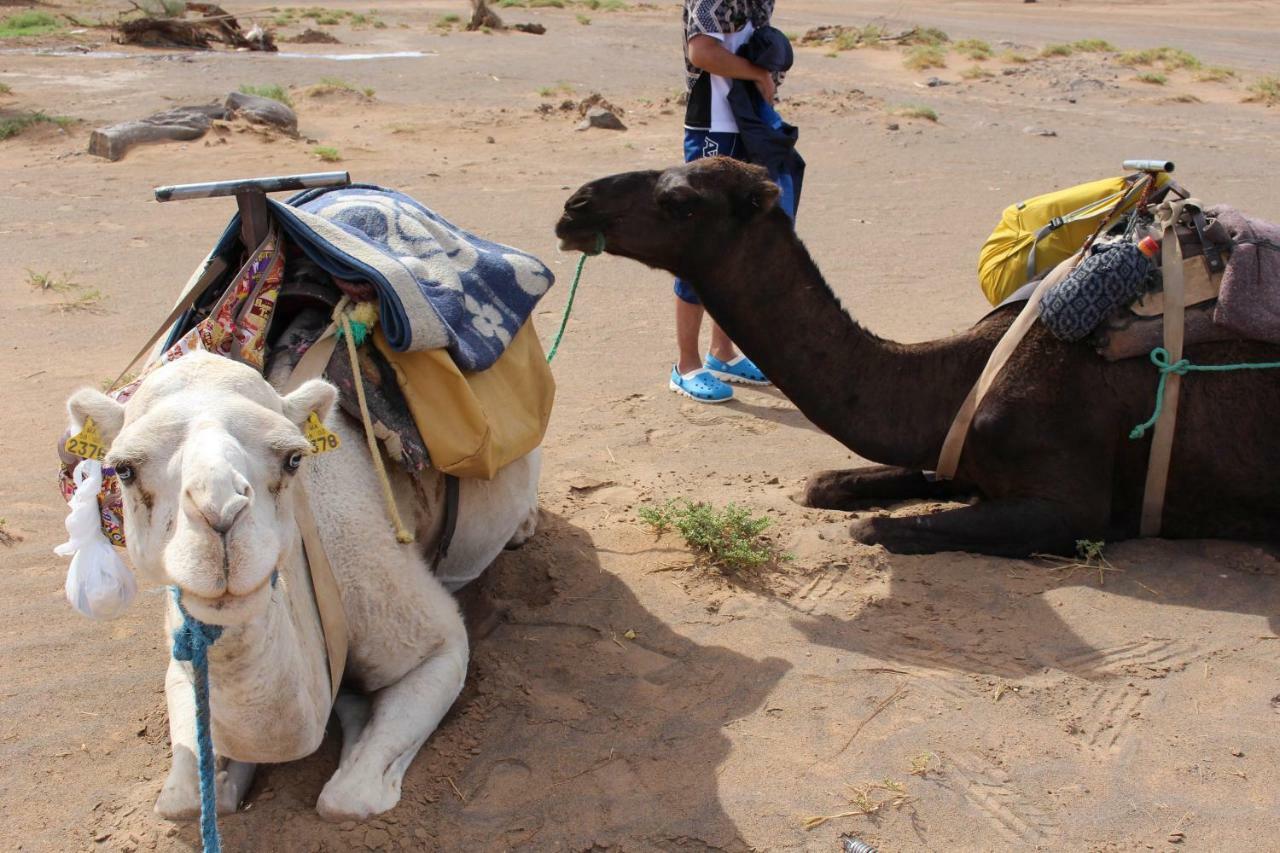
(1048, 454)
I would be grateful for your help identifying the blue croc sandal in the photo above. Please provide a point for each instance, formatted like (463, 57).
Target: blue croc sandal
(700, 385)
(741, 370)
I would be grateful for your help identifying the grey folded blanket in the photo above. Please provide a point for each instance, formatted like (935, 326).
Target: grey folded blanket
(1249, 301)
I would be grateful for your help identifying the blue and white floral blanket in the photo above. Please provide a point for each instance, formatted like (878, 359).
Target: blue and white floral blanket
(439, 286)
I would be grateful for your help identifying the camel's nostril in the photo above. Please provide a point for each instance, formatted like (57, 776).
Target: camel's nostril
(578, 202)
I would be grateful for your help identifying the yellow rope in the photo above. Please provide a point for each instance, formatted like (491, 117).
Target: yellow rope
(402, 535)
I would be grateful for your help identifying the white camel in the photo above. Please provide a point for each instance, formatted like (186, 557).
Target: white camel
(208, 453)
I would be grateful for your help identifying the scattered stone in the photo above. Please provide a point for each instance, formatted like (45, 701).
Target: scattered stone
(181, 124)
(893, 125)
(934, 82)
(532, 29)
(259, 110)
(601, 118)
(311, 36)
(489, 140)
(595, 99)
(376, 839)
(1237, 752)
(1174, 837)
(1039, 131)
(210, 24)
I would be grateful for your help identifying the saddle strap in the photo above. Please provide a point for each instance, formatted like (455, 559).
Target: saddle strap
(949, 458)
(1174, 322)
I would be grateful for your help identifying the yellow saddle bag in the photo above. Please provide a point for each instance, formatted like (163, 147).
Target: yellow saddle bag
(476, 423)
(1038, 234)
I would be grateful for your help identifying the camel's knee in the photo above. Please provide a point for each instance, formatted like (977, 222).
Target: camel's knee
(179, 798)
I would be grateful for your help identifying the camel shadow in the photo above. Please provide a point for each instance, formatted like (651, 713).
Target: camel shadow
(585, 721)
(787, 416)
(960, 614)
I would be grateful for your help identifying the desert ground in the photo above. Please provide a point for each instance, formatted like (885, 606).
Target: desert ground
(626, 698)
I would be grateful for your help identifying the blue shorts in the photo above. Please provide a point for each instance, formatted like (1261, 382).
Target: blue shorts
(706, 143)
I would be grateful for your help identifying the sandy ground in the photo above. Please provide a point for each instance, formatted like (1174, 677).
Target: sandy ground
(1041, 710)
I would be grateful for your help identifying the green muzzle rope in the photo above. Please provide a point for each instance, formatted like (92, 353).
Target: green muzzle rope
(1160, 358)
(573, 289)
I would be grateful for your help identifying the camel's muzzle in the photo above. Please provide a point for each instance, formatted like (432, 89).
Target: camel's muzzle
(580, 226)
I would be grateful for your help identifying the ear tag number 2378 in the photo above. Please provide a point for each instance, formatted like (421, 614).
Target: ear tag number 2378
(87, 443)
(322, 441)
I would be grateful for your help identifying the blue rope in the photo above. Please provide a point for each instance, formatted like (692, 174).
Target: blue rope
(191, 642)
(573, 289)
(1160, 358)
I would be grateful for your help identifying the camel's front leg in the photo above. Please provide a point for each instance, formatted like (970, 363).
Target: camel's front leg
(180, 797)
(404, 715)
(876, 485)
(1008, 527)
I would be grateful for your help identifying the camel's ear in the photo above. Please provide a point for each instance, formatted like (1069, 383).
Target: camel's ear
(107, 414)
(755, 198)
(314, 395)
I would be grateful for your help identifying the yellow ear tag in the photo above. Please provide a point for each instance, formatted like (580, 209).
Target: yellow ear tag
(87, 443)
(322, 441)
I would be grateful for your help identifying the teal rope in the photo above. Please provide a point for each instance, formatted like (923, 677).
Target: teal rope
(573, 289)
(191, 642)
(1160, 358)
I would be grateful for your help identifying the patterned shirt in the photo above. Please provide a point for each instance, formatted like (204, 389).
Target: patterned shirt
(719, 17)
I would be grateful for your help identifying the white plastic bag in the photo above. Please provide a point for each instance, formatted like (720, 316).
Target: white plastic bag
(99, 584)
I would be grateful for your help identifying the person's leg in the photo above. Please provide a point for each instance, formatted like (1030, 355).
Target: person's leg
(688, 325)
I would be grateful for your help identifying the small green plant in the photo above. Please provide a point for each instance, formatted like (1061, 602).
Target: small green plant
(87, 301)
(5, 90)
(30, 23)
(333, 85)
(1168, 58)
(927, 36)
(1015, 57)
(584, 20)
(729, 539)
(327, 153)
(922, 56)
(163, 8)
(976, 72)
(1155, 78)
(545, 4)
(14, 125)
(1265, 90)
(48, 282)
(1050, 50)
(975, 49)
(606, 5)
(7, 538)
(866, 799)
(915, 111)
(444, 22)
(1093, 46)
(274, 92)
(1215, 74)
(924, 764)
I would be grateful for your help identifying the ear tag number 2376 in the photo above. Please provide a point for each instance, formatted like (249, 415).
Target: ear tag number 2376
(322, 441)
(87, 443)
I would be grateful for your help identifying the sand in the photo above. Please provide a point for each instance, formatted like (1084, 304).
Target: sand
(1018, 708)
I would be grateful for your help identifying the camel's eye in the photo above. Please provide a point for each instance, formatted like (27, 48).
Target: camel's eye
(124, 473)
(679, 202)
(293, 461)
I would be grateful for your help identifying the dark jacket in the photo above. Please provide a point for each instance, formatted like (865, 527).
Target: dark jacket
(766, 139)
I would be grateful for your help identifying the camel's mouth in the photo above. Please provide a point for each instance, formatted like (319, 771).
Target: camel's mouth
(579, 233)
(229, 607)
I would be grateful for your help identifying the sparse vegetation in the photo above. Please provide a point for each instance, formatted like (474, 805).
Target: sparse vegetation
(29, 23)
(7, 538)
(48, 282)
(915, 111)
(14, 125)
(922, 57)
(5, 90)
(1168, 58)
(560, 88)
(976, 72)
(1093, 46)
(1051, 50)
(327, 153)
(924, 764)
(87, 301)
(729, 539)
(1181, 99)
(1155, 78)
(1015, 57)
(867, 799)
(1215, 74)
(585, 20)
(927, 36)
(446, 22)
(274, 92)
(1265, 90)
(975, 49)
(332, 85)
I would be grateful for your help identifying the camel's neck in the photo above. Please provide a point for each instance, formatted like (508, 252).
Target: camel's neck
(889, 403)
(268, 679)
